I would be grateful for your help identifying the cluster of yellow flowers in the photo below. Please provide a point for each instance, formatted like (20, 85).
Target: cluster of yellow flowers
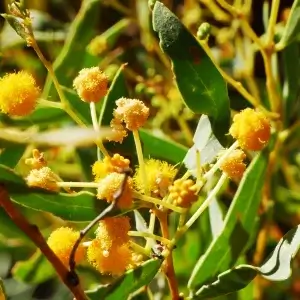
(110, 251)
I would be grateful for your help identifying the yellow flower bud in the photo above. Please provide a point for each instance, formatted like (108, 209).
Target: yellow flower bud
(18, 94)
(251, 128)
(61, 241)
(91, 84)
(233, 165)
(109, 185)
(43, 178)
(183, 192)
(132, 112)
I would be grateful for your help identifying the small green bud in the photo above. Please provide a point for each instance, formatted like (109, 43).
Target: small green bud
(203, 31)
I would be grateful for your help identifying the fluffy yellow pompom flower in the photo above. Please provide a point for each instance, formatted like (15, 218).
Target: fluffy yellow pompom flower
(91, 84)
(62, 240)
(113, 231)
(183, 192)
(117, 164)
(233, 165)
(43, 178)
(18, 94)
(109, 185)
(160, 176)
(134, 113)
(114, 261)
(251, 128)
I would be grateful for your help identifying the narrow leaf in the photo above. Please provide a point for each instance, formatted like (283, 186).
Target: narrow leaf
(200, 83)
(128, 283)
(291, 87)
(276, 268)
(292, 28)
(238, 225)
(35, 270)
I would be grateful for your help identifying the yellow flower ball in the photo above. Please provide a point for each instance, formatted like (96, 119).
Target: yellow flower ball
(234, 165)
(113, 231)
(18, 94)
(114, 261)
(91, 84)
(160, 176)
(109, 185)
(251, 128)
(61, 241)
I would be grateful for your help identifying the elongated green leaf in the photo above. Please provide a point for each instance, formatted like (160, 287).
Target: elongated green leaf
(128, 283)
(82, 206)
(238, 225)
(117, 90)
(291, 65)
(35, 270)
(153, 146)
(71, 57)
(200, 83)
(291, 32)
(11, 155)
(276, 268)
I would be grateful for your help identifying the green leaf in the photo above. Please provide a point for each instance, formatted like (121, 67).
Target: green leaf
(238, 225)
(291, 66)
(117, 90)
(200, 83)
(128, 283)
(276, 268)
(35, 270)
(17, 24)
(10, 156)
(70, 59)
(77, 207)
(292, 28)
(153, 146)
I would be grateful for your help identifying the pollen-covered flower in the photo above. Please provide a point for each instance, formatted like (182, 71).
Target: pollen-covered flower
(109, 185)
(251, 128)
(114, 261)
(43, 178)
(160, 176)
(117, 164)
(113, 232)
(134, 113)
(91, 84)
(119, 132)
(183, 192)
(62, 240)
(18, 94)
(37, 161)
(234, 165)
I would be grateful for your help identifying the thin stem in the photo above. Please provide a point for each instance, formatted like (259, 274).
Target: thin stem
(149, 235)
(139, 249)
(272, 22)
(169, 266)
(47, 103)
(71, 184)
(231, 9)
(70, 280)
(140, 156)
(151, 229)
(60, 93)
(97, 129)
(158, 202)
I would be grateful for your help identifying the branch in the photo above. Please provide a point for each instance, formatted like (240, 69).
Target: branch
(32, 231)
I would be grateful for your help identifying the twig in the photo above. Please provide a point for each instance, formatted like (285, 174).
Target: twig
(32, 231)
(105, 212)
